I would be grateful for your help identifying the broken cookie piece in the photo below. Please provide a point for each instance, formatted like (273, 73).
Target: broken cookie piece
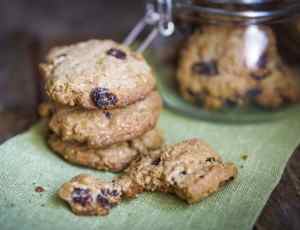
(87, 195)
(190, 169)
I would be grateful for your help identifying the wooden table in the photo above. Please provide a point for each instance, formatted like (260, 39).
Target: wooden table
(27, 27)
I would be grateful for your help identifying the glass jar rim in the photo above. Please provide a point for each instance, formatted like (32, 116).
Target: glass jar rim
(249, 14)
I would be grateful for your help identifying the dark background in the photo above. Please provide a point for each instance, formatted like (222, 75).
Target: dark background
(29, 27)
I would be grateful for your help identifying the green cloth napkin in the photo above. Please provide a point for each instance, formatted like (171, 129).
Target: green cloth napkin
(26, 163)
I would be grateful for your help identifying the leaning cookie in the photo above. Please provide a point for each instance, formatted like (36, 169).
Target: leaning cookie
(99, 128)
(114, 158)
(96, 74)
(190, 169)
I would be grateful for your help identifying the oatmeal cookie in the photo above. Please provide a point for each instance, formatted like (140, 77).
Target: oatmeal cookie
(190, 169)
(96, 74)
(229, 66)
(114, 158)
(101, 128)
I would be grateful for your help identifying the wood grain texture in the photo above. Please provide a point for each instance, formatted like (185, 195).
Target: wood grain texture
(48, 23)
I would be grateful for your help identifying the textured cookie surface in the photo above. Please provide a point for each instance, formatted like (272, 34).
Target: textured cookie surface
(226, 66)
(87, 195)
(96, 74)
(99, 128)
(190, 169)
(113, 158)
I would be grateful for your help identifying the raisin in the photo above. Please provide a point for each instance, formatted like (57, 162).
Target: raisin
(190, 92)
(107, 114)
(114, 192)
(108, 192)
(209, 68)
(211, 159)
(229, 103)
(102, 98)
(258, 77)
(183, 172)
(103, 201)
(254, 92)
(231, 178)
(117, 53)
(61, 55)
(174, 181)
(82, 196)
(262, 61)
(156, 161)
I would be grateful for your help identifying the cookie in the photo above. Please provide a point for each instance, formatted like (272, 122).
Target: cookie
(235, 66)
(190, 169)
(114, 158)
(99, 128)
(87, 195)
(96, 74)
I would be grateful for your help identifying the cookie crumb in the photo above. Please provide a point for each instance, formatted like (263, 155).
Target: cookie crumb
(244, 157)
(39, 189)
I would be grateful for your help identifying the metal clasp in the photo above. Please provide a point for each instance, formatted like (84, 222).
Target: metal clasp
(158, 16)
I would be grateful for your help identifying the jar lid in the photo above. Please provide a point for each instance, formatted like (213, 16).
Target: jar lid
(242, 10)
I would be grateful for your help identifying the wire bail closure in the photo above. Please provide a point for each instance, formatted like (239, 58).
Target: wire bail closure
(159, 16)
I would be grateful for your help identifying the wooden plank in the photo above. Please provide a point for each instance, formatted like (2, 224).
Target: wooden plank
(19, 84)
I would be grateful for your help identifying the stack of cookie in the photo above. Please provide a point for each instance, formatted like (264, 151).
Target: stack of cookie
(103, 105)
(236, 66)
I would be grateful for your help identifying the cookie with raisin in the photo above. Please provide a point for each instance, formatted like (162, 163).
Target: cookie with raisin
(101, 128)
(96, 74)
(192, 170)
(226, 66)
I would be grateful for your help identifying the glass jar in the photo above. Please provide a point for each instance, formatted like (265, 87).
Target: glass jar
(231, 60)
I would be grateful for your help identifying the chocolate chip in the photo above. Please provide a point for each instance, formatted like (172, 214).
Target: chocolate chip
(107, 114)
(117, 53)
(102, 98)
(103, 201)
(156, 161)
(209, 68)
(82, 196)
(254, 92)
(262, 61)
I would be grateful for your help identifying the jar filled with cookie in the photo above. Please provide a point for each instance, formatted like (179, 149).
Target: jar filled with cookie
(231, 60)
